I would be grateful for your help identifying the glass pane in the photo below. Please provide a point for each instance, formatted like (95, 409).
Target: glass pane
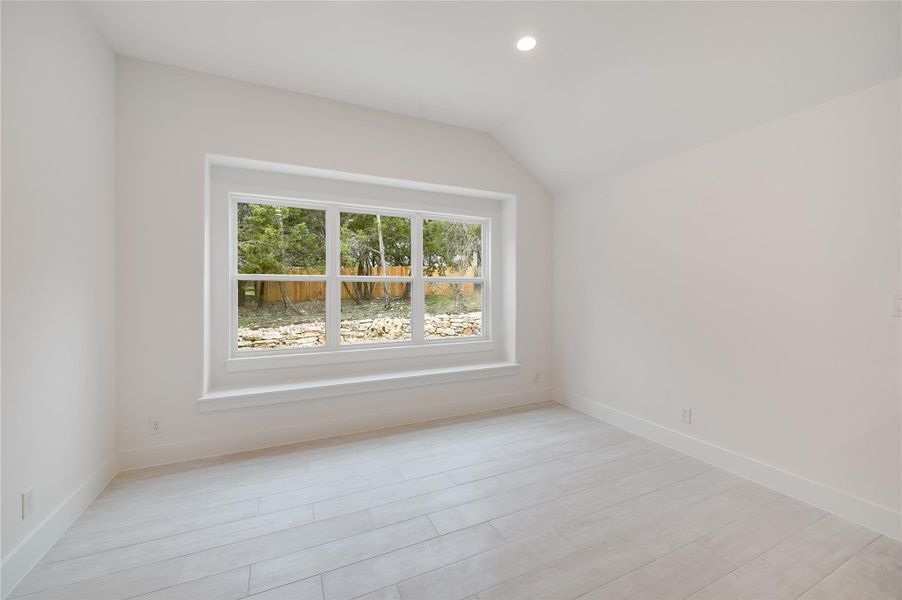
(453, 310)
(281, 315)
(374, 245)
(374, 312)
(281, 239)
(452, 249)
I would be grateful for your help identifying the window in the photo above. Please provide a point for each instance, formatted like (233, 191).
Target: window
(452, 271)
(313, 276)
(376, 282)
(322, 283)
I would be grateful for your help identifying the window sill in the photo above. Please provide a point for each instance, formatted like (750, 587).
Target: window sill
(271, 360)
(324, 388)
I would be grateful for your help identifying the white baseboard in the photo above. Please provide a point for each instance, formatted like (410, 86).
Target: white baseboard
(30, 550)
(149, 456)
(858, 510)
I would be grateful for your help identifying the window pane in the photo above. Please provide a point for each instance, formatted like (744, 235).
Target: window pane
(374, 312)
(371, 242)
(281, 239)
(452, 249)
(453, 310)
(280, 315)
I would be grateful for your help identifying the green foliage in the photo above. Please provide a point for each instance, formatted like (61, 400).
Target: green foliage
(451, 248)
(360, 242)
(280, 239)
(445, 303)
(284, 239)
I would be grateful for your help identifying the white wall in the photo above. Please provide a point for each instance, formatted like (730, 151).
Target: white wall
(750, 279)
(58, 293)
(168, 119)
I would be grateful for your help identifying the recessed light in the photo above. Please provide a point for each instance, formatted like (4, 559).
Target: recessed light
(526, 43)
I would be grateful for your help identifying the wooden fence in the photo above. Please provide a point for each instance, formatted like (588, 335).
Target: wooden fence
(301, 291)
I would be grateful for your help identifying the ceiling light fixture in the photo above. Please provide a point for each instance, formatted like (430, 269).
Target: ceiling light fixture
(526, 43)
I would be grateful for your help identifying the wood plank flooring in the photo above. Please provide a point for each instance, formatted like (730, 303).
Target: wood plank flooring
(539, 503)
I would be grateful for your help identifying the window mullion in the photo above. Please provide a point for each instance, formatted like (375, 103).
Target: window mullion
(417, 291)
(277, 277)
(333, 285)
(454, 279)
(486, 288)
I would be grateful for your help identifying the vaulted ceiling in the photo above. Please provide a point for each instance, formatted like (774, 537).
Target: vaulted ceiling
(611, 85)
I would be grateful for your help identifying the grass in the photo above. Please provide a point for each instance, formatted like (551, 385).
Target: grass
(440, 304)
(274, 314)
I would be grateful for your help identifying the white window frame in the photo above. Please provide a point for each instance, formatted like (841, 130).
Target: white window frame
(333, 350)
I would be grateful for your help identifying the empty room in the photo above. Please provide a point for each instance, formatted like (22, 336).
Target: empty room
(451, 300)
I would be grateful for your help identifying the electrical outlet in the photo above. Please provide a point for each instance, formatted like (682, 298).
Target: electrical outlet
(154, 425)
(538, 377)
(897, 305)
(27, 502)
(686, 415)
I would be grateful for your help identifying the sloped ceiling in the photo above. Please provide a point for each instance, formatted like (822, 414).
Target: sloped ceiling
(610, 86)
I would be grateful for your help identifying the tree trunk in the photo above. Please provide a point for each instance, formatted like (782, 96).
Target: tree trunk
(284, 293)
(282, 244)
(458, 295)
(385, 289)
(260, 293)
(352, 292)
(286, 301)
(363, 291)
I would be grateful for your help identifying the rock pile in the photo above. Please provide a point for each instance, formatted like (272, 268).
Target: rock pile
(362, 331)
(459, 325)
(380, 329)
(305, 335)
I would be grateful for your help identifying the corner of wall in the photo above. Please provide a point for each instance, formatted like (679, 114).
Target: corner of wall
(881, 519)
(30, 550)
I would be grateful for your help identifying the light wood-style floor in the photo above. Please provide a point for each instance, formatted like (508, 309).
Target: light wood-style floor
(543, 503)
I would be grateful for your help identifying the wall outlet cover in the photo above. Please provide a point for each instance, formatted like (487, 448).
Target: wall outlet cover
(686, 415)
(27, 502)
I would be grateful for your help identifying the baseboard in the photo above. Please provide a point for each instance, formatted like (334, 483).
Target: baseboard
(858, 510)
(149, 456)
(30, 550)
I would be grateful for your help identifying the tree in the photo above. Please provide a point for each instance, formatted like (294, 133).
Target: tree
(382, 260)
(452, 248)
(369, 244)
(279, 239)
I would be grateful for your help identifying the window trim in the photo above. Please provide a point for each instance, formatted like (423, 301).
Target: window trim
(326, 388)
(334, 351)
